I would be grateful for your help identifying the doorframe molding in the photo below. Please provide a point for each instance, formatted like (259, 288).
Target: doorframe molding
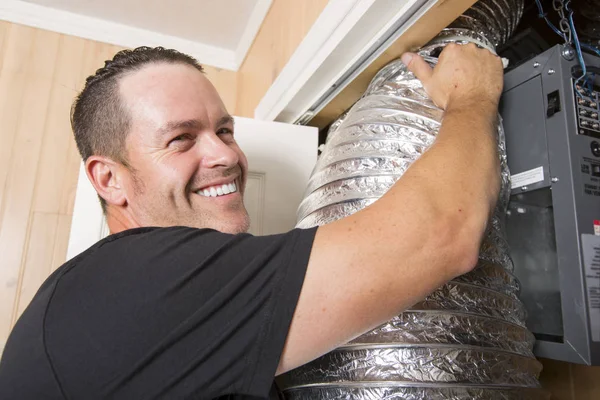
(346, 37)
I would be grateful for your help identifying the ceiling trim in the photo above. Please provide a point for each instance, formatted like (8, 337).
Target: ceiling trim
(68, 23)
(340, 44)
(252, 27)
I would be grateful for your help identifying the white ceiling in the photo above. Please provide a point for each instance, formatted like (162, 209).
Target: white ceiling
(217, 31)
(218, 23)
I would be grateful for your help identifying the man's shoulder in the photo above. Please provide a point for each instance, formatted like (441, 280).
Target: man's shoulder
(157, 236)
(170, 298)
(109, 255)
(150, 256)
(140, 242)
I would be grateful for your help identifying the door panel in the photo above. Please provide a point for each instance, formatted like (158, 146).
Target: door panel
(254, 197)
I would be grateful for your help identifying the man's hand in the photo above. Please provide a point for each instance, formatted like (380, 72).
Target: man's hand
(464, 76)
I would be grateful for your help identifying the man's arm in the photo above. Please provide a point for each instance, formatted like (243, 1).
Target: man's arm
(370, 266)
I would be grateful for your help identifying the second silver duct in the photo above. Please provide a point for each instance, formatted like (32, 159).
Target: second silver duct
(467, 340)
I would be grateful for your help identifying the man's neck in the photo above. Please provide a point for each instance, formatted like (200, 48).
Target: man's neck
(118, 221)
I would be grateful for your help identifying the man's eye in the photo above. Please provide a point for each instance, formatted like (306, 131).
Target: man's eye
(224, 131)
(180, 138)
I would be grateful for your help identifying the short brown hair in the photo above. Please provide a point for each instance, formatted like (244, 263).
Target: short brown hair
(99, 119)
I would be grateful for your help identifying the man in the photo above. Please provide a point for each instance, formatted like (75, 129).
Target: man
(179, 303)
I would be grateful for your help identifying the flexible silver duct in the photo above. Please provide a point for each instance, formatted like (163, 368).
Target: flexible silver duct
(588, 21)
(467, 340)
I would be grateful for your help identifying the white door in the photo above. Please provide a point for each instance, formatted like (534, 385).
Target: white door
(280, 157)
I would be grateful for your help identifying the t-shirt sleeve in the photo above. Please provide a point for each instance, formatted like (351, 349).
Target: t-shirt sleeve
(176, 313)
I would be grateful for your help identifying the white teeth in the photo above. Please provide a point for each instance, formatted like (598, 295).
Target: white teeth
(215, 191)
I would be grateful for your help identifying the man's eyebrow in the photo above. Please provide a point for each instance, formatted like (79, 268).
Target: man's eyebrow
(224, 120)
(194, 124)
(176, 125)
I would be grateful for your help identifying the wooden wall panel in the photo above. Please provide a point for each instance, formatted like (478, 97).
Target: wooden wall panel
(20, 177)
(226, 84)
(51, 181)
(565, 381)
(556, 379)
(37, 258)
(585, 382)
(16, 49)
(284, 27)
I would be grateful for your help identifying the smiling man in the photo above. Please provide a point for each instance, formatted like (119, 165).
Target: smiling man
(178, 302)
(179, 164)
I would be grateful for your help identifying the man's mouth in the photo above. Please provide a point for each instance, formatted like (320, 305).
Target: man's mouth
(218, 190)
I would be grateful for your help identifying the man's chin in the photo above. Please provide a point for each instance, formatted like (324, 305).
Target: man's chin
(231, 225)
(241, 226)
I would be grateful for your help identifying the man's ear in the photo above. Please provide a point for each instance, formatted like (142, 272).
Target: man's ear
(104, 174)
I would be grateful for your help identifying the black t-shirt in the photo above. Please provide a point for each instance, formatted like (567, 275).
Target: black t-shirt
(160, 313)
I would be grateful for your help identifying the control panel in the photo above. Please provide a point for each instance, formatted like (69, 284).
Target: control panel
(553, 127)
(588, 120)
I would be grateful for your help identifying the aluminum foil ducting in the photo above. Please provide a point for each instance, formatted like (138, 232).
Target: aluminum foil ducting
(466, 340)
(588, 21)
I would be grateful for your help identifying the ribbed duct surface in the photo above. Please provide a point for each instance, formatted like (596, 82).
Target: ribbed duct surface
(588, 20)
(467, 340)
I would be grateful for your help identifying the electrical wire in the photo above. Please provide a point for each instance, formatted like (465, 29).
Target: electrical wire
(591, 48)
(577, 48)
(542, 14)
(574, 41)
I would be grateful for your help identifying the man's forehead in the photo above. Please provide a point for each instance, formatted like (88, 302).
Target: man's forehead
(164, 92)
(169, 77)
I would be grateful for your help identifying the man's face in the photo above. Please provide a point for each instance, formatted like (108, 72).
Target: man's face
(186, 168)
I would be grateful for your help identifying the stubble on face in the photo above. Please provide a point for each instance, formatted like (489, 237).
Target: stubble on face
(166, 211)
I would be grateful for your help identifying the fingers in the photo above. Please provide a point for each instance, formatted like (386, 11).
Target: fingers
(418, 66)
(453, 50)
(463, 74)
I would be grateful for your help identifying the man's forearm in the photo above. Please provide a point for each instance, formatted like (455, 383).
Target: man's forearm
(461, 171)
(454, 185)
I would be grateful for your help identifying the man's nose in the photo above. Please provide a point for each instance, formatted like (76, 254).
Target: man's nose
(216, 153)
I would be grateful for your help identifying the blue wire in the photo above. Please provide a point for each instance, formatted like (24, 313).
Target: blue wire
(559, 33)
(577, 46)
(593, 75)
(542, 14)
(591, 48)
